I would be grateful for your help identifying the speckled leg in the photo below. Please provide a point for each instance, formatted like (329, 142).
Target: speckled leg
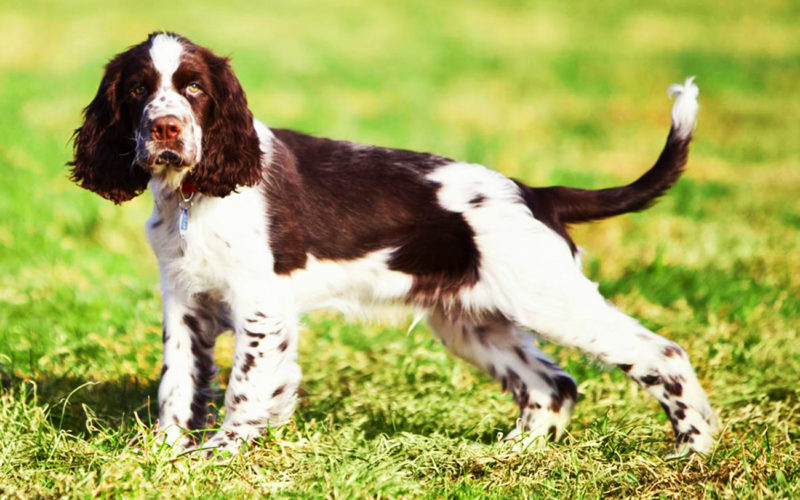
(544, 393)
(262, 389)
(576, 315)
(191, 326)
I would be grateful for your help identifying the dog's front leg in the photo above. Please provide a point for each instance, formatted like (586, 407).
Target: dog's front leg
(262, 389)
(187, 368)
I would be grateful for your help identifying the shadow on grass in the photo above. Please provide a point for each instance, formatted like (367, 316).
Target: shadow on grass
(112, 402)
(399, 421)
(424, 412)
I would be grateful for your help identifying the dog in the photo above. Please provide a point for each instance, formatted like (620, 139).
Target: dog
(253, 226)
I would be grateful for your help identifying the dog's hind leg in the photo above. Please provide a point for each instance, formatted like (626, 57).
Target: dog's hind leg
(558, 302)
(544, 393)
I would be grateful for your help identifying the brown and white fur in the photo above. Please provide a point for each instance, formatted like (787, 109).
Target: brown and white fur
(277, 223)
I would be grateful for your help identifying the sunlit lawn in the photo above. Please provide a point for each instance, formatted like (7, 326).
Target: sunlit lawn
(550, 92)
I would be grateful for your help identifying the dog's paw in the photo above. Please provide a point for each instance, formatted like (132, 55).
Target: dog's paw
(222, 443)
(693, 441)
(520, 441)
(536, 427)
(695, 425)
(172, 438)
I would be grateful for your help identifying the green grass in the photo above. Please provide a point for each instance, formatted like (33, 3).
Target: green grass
(551, 92)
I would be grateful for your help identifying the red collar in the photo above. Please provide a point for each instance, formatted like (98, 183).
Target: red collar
(188, 187)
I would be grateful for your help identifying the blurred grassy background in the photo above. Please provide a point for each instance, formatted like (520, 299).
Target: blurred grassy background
(550, 92)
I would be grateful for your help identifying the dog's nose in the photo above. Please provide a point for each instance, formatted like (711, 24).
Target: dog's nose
(166, 127)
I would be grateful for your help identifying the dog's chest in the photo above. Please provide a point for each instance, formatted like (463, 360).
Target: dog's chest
(211, 244)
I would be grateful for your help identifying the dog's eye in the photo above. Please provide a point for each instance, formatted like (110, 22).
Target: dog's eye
(194, 88)
(138, 91)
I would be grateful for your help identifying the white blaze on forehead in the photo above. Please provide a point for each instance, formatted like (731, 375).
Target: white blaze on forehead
(165, 51)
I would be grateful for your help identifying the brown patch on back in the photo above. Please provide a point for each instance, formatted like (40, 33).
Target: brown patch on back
(338, 200)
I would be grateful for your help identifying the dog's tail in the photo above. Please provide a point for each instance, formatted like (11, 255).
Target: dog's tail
(570, 205)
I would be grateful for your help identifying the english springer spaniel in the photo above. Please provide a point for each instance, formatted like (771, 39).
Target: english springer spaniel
(252, 226)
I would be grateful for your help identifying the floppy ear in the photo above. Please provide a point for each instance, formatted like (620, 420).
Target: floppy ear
(231, 152)
(104, 146)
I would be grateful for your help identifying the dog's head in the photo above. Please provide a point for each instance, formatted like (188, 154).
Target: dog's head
(169, 109)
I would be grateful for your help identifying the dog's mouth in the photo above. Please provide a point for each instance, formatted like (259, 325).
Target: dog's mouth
(162, 158)
(167, 164)
(170, 158)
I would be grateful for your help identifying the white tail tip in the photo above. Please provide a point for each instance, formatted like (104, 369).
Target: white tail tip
(684, 111)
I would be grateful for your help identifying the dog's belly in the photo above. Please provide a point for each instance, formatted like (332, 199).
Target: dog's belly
(347, 285)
